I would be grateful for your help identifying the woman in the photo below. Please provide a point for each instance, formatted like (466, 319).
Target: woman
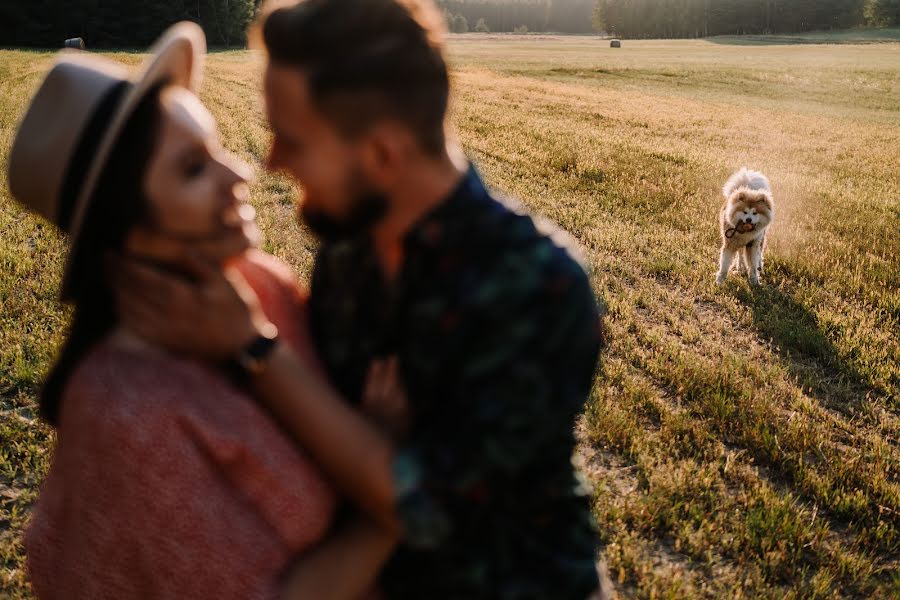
(168, 480)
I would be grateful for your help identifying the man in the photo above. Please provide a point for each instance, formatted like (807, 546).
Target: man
(491, 326)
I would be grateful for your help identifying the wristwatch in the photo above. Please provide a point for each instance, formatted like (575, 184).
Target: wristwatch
(253, 358)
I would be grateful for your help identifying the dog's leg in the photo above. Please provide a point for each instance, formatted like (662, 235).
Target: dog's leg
(762, 254)
(725, 260)
(743, 261)
(754, 256)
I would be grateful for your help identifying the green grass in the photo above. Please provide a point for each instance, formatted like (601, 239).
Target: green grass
(742, 442)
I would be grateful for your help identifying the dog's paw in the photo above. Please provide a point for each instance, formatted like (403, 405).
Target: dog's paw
(720, 279)
(754, 280)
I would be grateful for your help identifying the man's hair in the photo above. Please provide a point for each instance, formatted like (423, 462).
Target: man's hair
(366, 60)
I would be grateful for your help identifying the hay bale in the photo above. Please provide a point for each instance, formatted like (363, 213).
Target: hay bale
(76, 43)
(615, 44)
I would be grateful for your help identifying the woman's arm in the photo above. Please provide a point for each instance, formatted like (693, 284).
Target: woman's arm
(355, 453)
(344, 567)
(188, 317)
(347, 564)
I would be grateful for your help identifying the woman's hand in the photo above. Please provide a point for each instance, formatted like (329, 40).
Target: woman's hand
(384, 397)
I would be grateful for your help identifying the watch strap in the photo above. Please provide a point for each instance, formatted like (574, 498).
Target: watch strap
(252, 359)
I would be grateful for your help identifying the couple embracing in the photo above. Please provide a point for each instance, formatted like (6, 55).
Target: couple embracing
(402, 430)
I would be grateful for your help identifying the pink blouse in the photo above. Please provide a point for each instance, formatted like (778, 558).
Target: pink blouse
(170, 482)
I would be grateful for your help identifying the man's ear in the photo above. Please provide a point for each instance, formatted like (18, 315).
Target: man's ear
(386, 153)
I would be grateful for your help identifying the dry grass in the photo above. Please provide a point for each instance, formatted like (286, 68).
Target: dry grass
(743, 443)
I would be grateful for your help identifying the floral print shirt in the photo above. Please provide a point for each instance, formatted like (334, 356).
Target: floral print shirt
(497, 332)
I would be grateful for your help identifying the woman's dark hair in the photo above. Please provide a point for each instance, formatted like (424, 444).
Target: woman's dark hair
(118, 204)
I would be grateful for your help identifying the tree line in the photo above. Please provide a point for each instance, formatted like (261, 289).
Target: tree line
(120, 23)
(563, 16)
(136, 23)
(667, 18)
(699, 18)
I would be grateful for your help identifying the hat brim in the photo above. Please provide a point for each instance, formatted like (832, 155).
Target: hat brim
(176, 59)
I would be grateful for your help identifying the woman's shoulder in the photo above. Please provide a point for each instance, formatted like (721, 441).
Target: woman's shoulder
(118, 383)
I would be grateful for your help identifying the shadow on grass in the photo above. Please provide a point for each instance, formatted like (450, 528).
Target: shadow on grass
(805, 349)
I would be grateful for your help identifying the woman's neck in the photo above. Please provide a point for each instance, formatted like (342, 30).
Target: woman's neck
(123, 338)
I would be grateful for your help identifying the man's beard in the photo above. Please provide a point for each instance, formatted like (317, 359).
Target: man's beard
(364, 212)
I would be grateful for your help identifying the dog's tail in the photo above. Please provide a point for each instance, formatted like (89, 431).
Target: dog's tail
(746, 178)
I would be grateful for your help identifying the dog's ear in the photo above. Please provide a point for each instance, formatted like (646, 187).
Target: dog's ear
(766, 200)
(741, 197)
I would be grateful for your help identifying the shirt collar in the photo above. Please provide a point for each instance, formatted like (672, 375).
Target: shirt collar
(434, 227)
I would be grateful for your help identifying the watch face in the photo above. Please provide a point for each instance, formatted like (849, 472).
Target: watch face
(252, 359)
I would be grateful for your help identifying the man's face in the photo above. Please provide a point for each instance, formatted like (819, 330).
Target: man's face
(338, 200)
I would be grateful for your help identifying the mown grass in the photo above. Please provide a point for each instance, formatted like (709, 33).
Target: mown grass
(742, 442)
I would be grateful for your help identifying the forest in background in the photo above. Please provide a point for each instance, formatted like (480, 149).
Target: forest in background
(667, 18)
(701, 18)
(120, 23)
(136, 23)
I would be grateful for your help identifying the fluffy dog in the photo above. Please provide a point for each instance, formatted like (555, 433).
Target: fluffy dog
(745, 217)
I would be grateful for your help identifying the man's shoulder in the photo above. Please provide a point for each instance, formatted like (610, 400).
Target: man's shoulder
(527, 252)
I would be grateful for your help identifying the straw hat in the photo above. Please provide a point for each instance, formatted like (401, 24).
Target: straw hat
(75, 119)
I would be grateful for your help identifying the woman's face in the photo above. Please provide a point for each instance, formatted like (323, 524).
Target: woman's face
(195, 187)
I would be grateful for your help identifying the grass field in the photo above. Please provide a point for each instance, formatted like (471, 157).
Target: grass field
(742, 443)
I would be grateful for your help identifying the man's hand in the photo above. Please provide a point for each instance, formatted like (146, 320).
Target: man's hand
(230, 242)
(384, 397)
(214, 316)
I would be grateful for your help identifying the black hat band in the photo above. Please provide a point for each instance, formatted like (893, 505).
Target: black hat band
(85, 152)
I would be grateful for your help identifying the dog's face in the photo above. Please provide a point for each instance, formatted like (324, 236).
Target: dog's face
(750, 207)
